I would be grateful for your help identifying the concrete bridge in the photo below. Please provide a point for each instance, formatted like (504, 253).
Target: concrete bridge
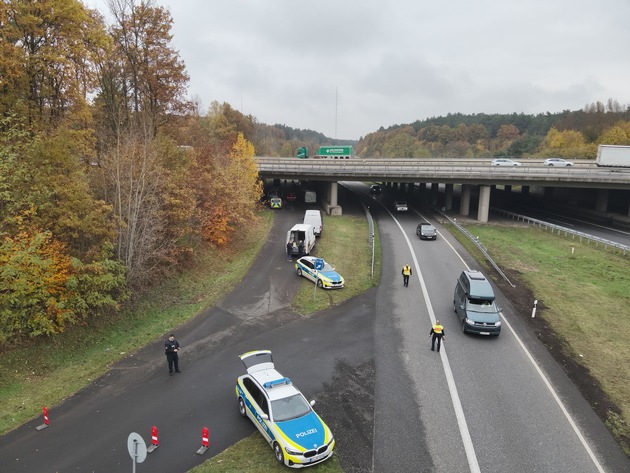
(472, 174)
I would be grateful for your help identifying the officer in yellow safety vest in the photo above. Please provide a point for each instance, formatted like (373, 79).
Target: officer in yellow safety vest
(406, 272)
(437, 332)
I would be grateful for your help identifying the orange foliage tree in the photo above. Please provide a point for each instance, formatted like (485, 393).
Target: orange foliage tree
(229, 191)
(35, 297)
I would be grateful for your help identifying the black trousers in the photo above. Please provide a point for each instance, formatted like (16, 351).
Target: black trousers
(439, 339)
(172, 359)
(406, 279)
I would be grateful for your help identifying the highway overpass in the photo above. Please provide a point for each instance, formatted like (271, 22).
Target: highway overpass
(472, 174)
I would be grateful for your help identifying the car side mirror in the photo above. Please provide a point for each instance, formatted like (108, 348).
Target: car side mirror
(312, 403)
(499, 309)
(264, 416)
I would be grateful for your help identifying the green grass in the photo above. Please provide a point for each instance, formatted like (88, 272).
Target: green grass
(254, 455)
(46, 372)
(343, 244)
(586, 298)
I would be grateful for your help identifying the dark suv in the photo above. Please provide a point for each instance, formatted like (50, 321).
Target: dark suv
(473, 302)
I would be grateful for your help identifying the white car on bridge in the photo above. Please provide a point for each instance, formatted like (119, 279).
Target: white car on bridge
(505, 162)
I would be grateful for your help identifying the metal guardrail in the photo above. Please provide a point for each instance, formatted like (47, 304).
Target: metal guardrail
(370, 232)
(479, 245)
(567, 231)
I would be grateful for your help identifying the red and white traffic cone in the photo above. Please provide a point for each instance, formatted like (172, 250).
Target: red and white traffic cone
(46, 421)
(154, 440)
(205, 441)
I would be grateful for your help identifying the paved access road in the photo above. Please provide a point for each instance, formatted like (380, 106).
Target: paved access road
(372, 352)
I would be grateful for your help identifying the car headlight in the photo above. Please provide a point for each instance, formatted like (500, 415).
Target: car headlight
(292, 452)
(469, 321)
(497, 324)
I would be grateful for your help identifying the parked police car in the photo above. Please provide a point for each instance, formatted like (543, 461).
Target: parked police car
(326, 278)
(298, 436)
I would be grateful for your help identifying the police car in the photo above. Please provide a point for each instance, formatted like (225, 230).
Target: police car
(326, 277)
(275, 202)
(298, 436)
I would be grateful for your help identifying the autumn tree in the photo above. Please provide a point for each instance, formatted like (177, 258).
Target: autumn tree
(616, 135)
(144, 80)
(508, 133)
(44, 289)
(47, 62)
(142, 175)
(567, 144)
(229, 189)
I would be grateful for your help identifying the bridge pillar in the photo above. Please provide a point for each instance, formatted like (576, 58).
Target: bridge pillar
(601, 203)
(448, 196)
(435, 192)
(464, 203)
(507, 188)
(330, 203)
(525, 190)
(574, 196)
(484, 203)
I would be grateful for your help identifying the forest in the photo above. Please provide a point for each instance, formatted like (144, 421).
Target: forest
(112, 179)
(568, 134)
(109, 178)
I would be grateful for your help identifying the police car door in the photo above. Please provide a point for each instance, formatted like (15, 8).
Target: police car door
(310, 270)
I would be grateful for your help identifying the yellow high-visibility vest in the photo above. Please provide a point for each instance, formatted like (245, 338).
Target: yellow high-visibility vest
(437, 329)
(406, 270)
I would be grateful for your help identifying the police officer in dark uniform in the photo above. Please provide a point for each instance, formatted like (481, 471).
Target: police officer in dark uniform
(171, 347)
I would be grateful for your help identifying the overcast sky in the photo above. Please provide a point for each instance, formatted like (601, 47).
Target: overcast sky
(347, 67)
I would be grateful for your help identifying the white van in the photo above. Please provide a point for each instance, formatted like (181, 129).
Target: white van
(310, 197)
(314, 217)
(301, 233)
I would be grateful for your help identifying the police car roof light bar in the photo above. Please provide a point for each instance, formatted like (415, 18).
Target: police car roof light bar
(276, 383)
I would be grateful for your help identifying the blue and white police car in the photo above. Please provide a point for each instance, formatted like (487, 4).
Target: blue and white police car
(298, 436)
(326, 277)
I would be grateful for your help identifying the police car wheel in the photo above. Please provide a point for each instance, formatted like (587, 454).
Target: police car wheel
(277, 450)
(299, 271)
(320, 284)
(464, 327)
(241, 407)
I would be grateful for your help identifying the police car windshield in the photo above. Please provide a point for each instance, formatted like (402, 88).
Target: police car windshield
(327, 268)
(289, 408)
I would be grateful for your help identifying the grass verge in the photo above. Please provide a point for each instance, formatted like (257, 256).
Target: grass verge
(254, 455)
(48, 371)
(344, 245)
(584, 294)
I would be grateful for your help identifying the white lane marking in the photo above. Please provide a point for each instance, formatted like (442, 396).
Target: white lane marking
(473, 464)
(540, 373)
(557, 398)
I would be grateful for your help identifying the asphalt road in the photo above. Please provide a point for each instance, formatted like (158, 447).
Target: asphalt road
(482, 404)
(393, 405)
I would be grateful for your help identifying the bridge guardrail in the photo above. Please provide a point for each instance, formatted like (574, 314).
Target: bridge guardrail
(567, 231)
(370, 221)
